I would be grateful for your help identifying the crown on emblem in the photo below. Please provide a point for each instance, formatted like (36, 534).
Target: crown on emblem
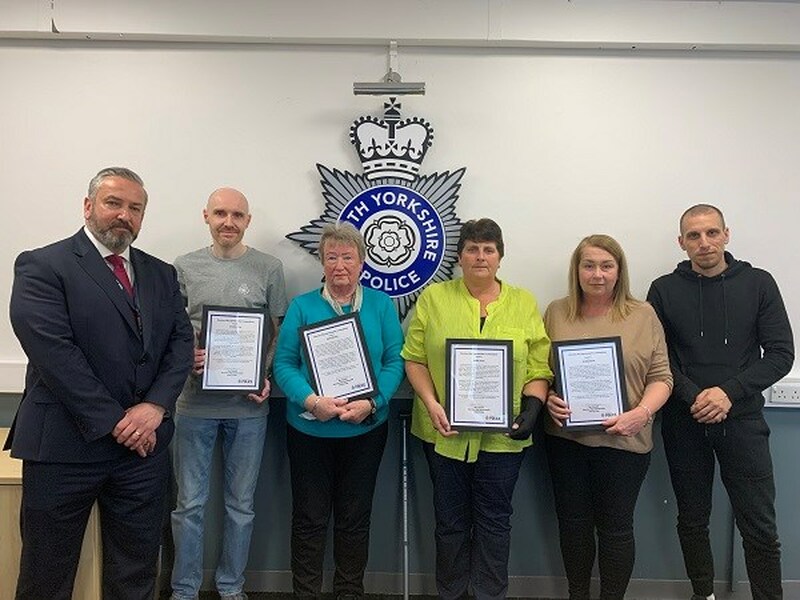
(390, 147)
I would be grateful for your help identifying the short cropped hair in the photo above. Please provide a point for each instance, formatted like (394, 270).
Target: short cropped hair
(342, 232)
(700, 209)
(481, 230)
(122, 172)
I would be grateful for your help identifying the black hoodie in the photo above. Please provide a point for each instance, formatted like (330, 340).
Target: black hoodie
(716, 328)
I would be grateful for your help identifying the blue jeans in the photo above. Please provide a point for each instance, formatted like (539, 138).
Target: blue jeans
(193, 446)
(472, 503)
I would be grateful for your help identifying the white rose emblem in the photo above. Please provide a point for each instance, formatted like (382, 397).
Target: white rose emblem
(389, 241)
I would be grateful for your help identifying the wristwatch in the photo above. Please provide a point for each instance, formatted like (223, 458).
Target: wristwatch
(374, 407)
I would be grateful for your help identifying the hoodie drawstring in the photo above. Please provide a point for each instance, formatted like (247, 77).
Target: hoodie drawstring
(700, 293)
(724, 306)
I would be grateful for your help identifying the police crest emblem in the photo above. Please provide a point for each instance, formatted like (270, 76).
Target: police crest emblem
(408, 220)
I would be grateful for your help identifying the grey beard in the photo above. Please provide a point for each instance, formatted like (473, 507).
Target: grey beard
(115, 243)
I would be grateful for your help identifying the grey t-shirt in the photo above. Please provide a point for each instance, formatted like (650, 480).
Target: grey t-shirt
(253, 280)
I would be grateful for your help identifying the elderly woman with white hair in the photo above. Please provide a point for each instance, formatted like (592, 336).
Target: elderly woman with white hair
(335, 445)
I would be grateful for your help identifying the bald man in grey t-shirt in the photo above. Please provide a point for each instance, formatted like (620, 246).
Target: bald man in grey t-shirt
(227, 273)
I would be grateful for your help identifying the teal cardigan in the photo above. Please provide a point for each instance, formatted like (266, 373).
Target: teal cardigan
(384, 339)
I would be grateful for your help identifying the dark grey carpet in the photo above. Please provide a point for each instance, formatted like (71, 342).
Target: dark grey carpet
(283, 596)
(286, 596)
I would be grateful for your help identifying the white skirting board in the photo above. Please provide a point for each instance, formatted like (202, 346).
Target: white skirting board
(12, 376)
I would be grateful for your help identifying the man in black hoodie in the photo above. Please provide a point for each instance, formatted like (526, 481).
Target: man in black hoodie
(729, 338)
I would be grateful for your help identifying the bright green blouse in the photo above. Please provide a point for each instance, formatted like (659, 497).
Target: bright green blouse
(447, 310)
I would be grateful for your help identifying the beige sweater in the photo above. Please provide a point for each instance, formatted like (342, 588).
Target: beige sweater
(644, 353)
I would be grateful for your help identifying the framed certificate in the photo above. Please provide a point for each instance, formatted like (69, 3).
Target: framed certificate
(337, 358)
(235, 339)
(590, 377)
(478, 384)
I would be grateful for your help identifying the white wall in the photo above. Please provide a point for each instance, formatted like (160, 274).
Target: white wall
(558, 142)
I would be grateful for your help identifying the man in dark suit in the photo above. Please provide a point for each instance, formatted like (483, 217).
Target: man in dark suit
(109, 347)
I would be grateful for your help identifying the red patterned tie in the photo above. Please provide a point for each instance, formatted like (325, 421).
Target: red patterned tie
(119, 270)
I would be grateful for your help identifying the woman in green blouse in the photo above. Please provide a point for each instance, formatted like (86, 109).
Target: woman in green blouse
(474, 473)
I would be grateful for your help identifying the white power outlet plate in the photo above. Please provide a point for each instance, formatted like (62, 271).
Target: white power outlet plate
(785, 393)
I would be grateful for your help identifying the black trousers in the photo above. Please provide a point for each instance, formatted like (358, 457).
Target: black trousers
(332, 475)
(56, 501)
(741, 446)
(596, 491)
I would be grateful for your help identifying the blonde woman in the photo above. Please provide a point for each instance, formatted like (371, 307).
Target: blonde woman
(597, 475)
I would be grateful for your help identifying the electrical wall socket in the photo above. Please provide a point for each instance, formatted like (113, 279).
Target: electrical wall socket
(785, 393)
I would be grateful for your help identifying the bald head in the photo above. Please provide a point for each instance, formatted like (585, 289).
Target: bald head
(228, 195)
(227, 214)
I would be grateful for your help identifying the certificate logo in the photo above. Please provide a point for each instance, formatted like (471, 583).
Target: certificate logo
(408, 219)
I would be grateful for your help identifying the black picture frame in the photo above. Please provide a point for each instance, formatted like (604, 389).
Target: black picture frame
(255, 372)
(350, 326)
(600, 349)
(505, 384)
